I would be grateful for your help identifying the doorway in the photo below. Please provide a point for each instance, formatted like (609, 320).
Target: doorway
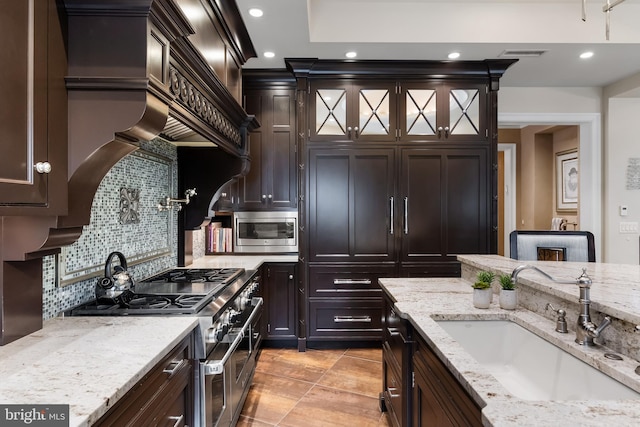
(590, 161)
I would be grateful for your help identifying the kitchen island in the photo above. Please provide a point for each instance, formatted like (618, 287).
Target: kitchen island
(615, 292)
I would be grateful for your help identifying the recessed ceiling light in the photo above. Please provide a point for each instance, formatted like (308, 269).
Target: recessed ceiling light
(454, 55)
(269, 54)
(586, 55)
(351, 54)
(256, 13)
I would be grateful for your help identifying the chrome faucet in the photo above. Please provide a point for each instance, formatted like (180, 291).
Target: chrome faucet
(586, 330)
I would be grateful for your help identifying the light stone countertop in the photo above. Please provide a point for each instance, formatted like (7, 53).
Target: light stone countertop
(423, 301)
(86, 362)
(615, 289)
(248, 262)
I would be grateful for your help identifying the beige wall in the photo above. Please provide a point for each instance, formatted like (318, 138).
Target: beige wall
(536, 148)
(565, 139)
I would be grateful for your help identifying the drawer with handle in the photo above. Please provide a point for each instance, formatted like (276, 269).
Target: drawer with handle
(163, 397)
(345, 319)
(327, 282)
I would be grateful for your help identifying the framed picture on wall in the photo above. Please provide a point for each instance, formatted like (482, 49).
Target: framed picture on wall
(567, 181)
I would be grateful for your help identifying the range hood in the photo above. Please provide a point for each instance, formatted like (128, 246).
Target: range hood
(150, 81)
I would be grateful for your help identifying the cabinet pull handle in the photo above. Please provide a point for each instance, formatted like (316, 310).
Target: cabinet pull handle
(391, 390)
(356, 131)
(264, 198)
(393, 332)
(351, 281)
(173, 367)
(270, 196)
(343, 319)
(178, 420)
(291, 277)
(406, 215)
(440, 132)
(391, 215)
(349, 129)
(446, 132)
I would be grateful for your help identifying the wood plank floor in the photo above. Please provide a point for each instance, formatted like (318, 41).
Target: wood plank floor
(316, 388)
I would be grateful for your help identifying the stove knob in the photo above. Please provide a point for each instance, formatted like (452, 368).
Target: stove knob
(233, 315)
(216, 334)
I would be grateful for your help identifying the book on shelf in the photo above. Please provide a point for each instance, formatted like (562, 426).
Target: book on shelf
(218, 238)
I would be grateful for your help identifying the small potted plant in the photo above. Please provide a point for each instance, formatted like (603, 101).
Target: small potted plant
(508, 296)
(482, 292)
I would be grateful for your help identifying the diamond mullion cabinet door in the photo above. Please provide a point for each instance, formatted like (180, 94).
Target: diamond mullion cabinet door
(345, 111)
(443, 112)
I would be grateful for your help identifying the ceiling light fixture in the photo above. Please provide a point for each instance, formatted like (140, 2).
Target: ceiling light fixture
(351, 54)
(454, 55)
(586, 55)
(269, 54)
(256, 13)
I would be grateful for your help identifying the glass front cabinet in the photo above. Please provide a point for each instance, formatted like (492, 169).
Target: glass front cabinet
(342, 110)
(353, 111)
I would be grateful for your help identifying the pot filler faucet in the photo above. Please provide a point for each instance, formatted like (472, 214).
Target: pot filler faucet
(586, 330)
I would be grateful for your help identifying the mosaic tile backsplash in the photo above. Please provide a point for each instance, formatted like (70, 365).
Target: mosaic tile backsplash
(149, 245)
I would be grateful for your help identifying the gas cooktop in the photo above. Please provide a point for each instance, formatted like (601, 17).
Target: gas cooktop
(176, 291)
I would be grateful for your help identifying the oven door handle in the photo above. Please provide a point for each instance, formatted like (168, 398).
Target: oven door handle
(216, 367)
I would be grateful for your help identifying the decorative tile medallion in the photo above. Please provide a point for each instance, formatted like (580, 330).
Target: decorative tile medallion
(129, 205)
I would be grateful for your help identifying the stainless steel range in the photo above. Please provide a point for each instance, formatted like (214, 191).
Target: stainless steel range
(228, 307)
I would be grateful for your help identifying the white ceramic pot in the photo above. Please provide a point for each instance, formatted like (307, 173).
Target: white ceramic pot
(508, 299)
(482, 297)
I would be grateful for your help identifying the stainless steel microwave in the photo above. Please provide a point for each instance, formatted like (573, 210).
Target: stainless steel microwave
(265, 232)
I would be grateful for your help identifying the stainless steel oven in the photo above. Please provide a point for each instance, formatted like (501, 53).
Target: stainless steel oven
(266, 232)
(226, 373)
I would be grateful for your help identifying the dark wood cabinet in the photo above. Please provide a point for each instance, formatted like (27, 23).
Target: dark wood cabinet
(280, 292)
(389, 110)
(438, 398)
(345, 302)
(346, 110)
(350, 205)
(396, 365)
(443, 112)
(444, 195)
(33, 110)
(271, 182)
(163, 397)
(418, 389)
(397, 172)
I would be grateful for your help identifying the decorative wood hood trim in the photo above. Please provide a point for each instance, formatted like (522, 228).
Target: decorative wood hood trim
(197, 103)
(126, 92)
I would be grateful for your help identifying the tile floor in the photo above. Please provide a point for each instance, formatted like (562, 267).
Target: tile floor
(316, 388)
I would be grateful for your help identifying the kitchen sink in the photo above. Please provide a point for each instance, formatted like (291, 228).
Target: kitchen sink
(530, 367)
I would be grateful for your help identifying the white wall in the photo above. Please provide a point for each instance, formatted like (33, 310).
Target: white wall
(623, 142)
(548, 100)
